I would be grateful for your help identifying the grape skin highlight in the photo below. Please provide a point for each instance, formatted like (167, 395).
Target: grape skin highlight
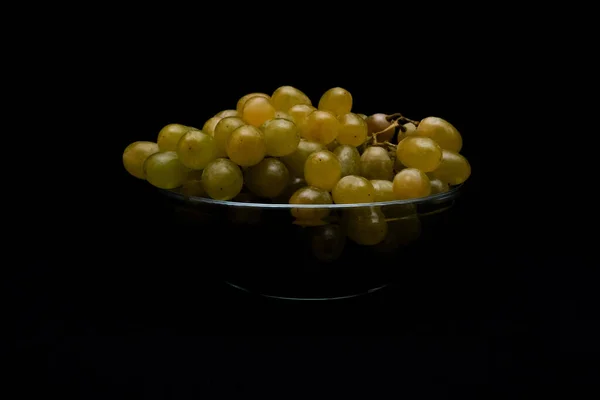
(336, 100)
(419, 152)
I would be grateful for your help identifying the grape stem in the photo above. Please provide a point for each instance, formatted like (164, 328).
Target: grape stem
(400, 117)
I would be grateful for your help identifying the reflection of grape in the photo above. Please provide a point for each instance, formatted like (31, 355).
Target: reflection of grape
(134, 156)
(299, 112)
(222, 179)
(442, 131)
(165, 171)
(223, 130)
(209, 126)
(227, 113)
(320, 126)
(245, 215)
(285, 97)
(375, 163)
(353, 130)
(328, 242)
(353, 189)
(419, 152)
(411, 183)
(400, 233)
(257, 110)
(295, 161)
(310, 195)
(242, 101)
(322, 169)
(268, 178)
(281, 137)
(437, 186)
(365, 226)
(454, 168)
(169, 135)
(349, 159)
(336, 100)
(246, 146)
(384, 190)
(196, 149)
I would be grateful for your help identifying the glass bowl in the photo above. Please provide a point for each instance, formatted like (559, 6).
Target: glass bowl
(262, 248)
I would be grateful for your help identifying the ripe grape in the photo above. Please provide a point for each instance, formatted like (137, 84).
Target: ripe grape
(169, 135)
(384, 190)
(363, 116)
(377, 123)
(227, 113)
(193, 186)
(242, 101)
(222, 179)
(134, 156)
(401, 232)
(322, 170)
(268, 178)
(411, 129)
(375, 163)
(165, 171)
(257, 110)
(437, 186)
(442, 131)
(246, 146)
(196, 149)
(285, 97)
(353, 130)
(365, 226)
(411, 183)
(223, 130)
(419, 152)
(299, 112)
(281, 137)
(349, 159)
(283, 115)
(353, 189)
(295, 161)
(320, 126)
(336, 100)
(209, 126)
(454, 168)
(328, 242)
(310, 195)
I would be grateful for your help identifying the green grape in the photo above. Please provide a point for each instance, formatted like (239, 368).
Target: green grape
(196, 149)
(437, 186)
(134, 156)
(242, 101)
(365, 226)
(419, 152)
(281, 137)
(294, 184)
(283, 115)
(246, 146)
(193, 186)
(401, 233)
(295, 161)
(363, 116)
(165, 171)
(411, 129)
(375, 163)
(328, 242)
(320, 126)
(353, 130)
(442, 131)
(268, 178)
(222, 179)
(257, 110)
(169, 135)
(353, 189)
(285, 97)
(210, 124)
(377, 123)
(227, 113)
(223, 130)
(245, 215)
(384, 190)
(299, 112)
(310, 195)
(336, 100)
(322, 169)
(454, 168)
(349, 159)
(411, 183)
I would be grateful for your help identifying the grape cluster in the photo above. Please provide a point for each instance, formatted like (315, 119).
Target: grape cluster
(280, 148)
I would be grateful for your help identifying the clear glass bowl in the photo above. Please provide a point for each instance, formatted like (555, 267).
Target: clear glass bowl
(261, 248)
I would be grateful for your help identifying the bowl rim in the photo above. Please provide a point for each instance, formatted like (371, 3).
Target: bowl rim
(432, 199)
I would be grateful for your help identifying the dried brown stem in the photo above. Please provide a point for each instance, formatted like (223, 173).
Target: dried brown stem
(400, 117)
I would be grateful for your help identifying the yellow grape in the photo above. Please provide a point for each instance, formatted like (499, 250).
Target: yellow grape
(349, 159)
(268, 178)
(165, 171)
(437, 186)
(353, 189)
(134, 156)
(375, 163)
(196, 149)
(283, 115)
(223, 131)
(320, 126)
(281, 137)
(365, 226)
(210, 124)
(384, 190)
(411, 183)
(310, 195)
(299, 112)
(454, 168)
(353, 130)
(363, 116)
(322, 170)
(442, 131)
(296, 160)
(227, 113)
(222, 179)
(285, 97)
(257, 110)
(419, 152)
(242, 101)
(411, 129)
(169, 135)
(336, 100)
(246, 146)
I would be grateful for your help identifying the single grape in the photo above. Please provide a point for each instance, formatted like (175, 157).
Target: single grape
(299, 112)
(257, 110)
(134, 156)
(242, 101)
(437, 186)
(295, 161)
(310, 195)
(377, 123)
(196, 149)
(285, 97)
(246, 146)
(322, 169)
(320, 126)
(353, 130)
(411, 129)
(328, 242)
(419, 152)
(366, 225)
(411, 183)
(193, 186)
(268, 178)
(227, 113)
(353, 189)
(169, 135)
(384, 190)
(349, 159)
(363, 116)
(283, 115)
(223, 130)
(336, 100)
(222, 179)
(442, 131)
(210, 124)
(454, 168)
(165, 171)
(281, 137)
(375, 163)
